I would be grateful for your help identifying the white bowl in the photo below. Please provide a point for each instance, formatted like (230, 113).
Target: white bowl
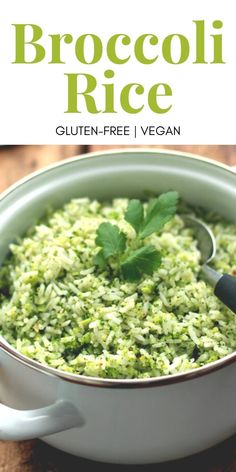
(126, 421)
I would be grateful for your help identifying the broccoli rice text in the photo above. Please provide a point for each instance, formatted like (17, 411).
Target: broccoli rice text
(58, 308)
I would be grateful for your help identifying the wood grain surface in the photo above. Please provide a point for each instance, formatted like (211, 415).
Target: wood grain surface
(225, 154)
(35, 456)
(18, 161)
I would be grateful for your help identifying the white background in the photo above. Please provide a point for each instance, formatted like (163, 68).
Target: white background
(33, 98)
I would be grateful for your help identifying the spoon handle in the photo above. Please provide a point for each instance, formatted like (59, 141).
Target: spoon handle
(225, 290)
(210, 275)
(224, 286)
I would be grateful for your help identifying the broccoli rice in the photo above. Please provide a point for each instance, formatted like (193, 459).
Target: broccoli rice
(58, 308)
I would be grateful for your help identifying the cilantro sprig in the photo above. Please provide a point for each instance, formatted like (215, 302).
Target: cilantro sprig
(132, 263)
(142, 261)
(111, 240)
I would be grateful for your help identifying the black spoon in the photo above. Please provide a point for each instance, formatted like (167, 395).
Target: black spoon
(224, 285)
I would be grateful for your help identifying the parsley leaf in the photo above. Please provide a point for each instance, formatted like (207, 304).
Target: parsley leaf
(160, 210)
(135, 214)
(100, 260)
(142, 261)
(132, 263)
(111, 240)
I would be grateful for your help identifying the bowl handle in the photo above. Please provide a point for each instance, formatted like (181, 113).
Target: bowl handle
(28, 424)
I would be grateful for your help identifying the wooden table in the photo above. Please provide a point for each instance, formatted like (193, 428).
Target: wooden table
(35, 456)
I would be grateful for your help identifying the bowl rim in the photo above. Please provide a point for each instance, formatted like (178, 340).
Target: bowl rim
(106, 382)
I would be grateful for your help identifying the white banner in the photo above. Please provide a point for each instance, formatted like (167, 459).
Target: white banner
(127, 72)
